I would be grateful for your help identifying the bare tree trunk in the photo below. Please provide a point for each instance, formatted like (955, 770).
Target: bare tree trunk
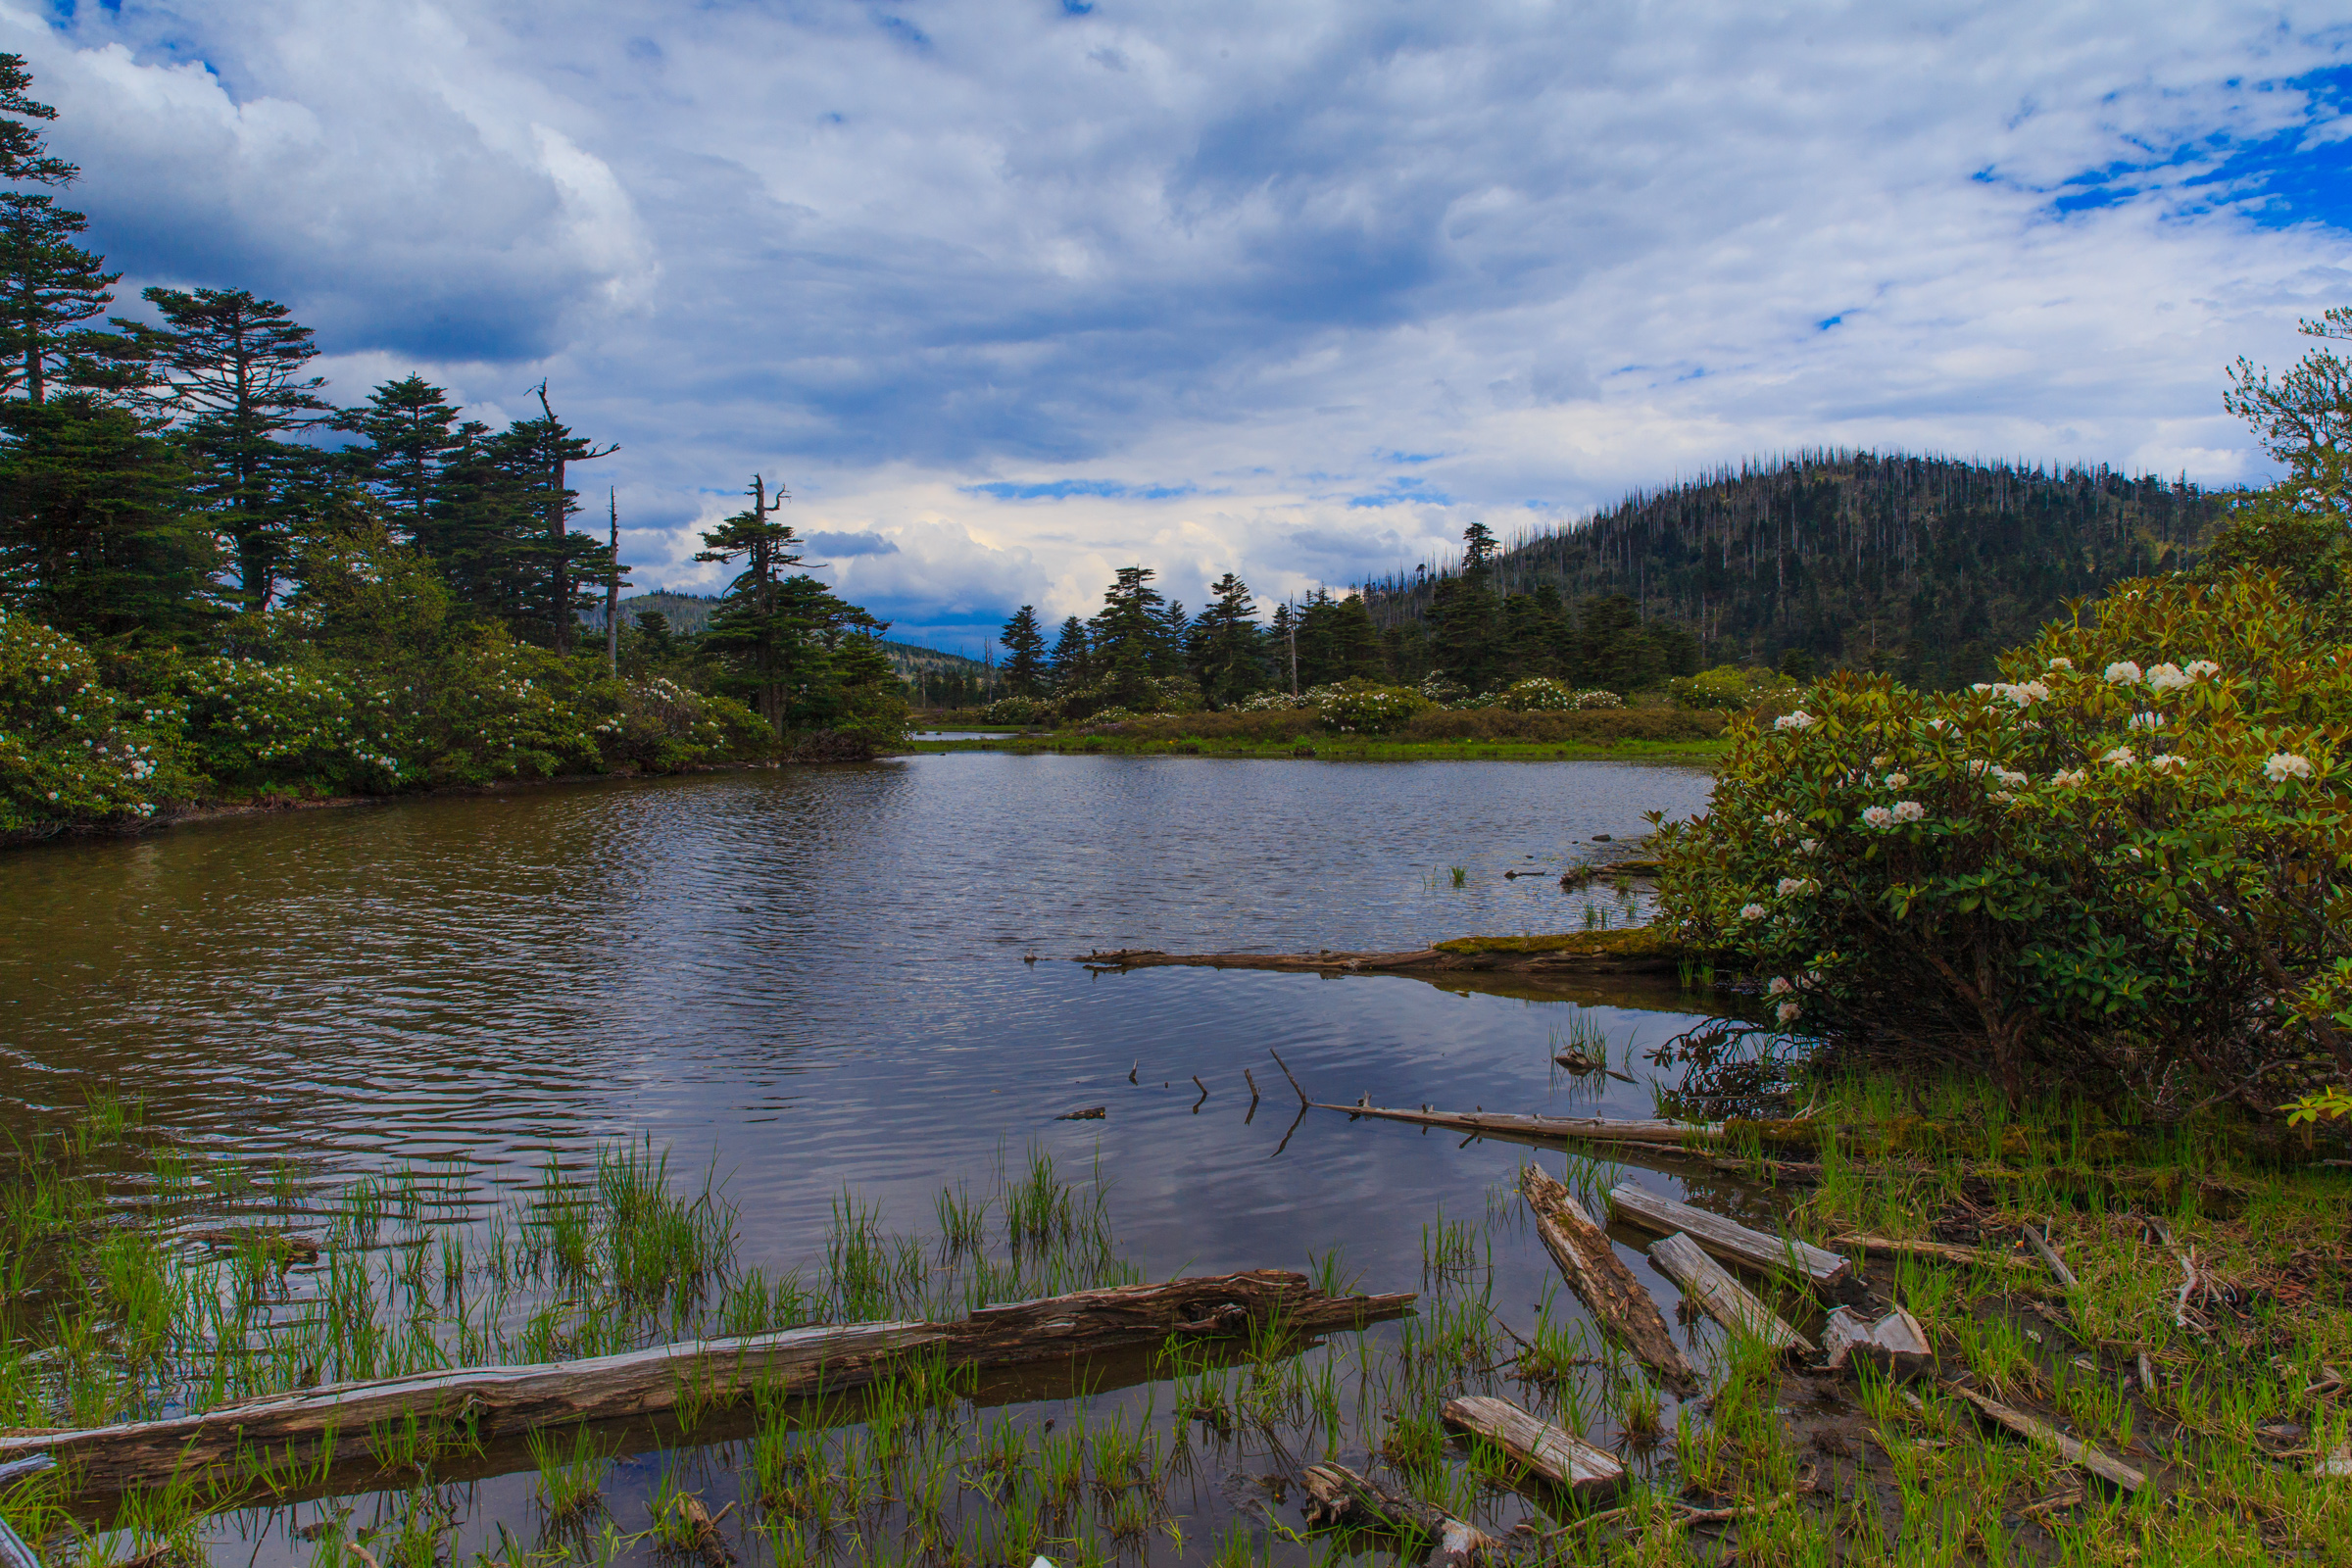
(613, 591)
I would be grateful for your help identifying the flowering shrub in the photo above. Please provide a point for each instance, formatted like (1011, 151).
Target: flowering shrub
(1370, 710)
(1018, 710)
(658, 727)
(1270, 702)
(1539, 693)
(498, 708)
(253, 725)
(70, 747)
(2011, 877)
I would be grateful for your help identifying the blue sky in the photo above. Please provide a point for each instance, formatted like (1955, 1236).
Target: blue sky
(1012, 292)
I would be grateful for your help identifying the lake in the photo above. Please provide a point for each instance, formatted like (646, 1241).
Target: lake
(857, 979)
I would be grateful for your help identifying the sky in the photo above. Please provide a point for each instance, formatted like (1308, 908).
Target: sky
(1011, 293)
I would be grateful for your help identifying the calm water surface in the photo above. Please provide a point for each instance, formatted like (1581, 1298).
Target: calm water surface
(820, 979)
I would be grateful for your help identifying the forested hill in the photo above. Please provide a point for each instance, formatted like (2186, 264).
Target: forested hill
(689, 614)
(1918, 564)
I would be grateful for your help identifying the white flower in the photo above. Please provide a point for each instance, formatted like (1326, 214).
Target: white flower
(1895, 781)
(2001, 797)
(1881, 761)
(1753, 912)
(1878, 816)
(1778, 819)
(1780, 986)
(1788, 1012)
(2285, 765)
(2119, 756)
(2167, 677)
(2123, 672)
(1800, 719)
(1978, 768)
(2074, 780)
(2169, 762)
(1809, 845)
(2147, 722)
(2202, 670)
(2024, 695)
(1939, 724)
(1795, 885)
(2062, 663)
(1909, 810)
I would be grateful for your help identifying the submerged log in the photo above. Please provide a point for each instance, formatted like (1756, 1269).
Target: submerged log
(1616, 1299)
(1634, 949)
(321, 1425)
(1895, 1343)
(1520, 1124)
(1337, 1497)
(1727, 1238)
(1557, 1456)
(2105, 1466)
(1722, 1297)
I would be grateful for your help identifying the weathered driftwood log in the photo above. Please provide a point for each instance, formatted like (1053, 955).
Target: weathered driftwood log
(1727, 1238)
(1337, 1497)
(14, 1552)
(1895, 1343)
(1559, 1457)
(1607, 1288)
(1722, 1297)
(2105, 1466)
(1516, 1124)
(1634, 949)
(335, 1421)
(1941, 1251)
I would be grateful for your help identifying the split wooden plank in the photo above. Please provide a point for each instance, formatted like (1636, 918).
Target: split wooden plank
(1606, 1287)
(1721, 1296)
(1941, 1251)
(334, 1423)
(1557, 1456)
(1895, 1343)
(1339, 1496)
(2105, 1466)
(1727, 1238)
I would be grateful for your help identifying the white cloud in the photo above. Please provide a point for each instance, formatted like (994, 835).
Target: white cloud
(898, 255)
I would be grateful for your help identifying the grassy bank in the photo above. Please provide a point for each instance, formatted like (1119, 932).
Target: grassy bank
(1335, 748)
(143, 1277)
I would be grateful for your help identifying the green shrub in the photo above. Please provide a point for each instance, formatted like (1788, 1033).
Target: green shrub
(305, 726)
(2118, 863)
(1725, 689)
(72, 748)
(658, 727)
(1606, 724)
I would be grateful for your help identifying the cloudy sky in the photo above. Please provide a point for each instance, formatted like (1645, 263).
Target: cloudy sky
(1012, 292)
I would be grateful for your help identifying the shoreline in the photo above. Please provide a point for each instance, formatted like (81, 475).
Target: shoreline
(1336, 749)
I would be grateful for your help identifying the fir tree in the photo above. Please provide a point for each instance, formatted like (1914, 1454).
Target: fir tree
(411, 434)
(1129, 637)
(49, 285)
(1230, 665)
(760, 622)
(23, 155)
(95, 530)
(1023, 673)
(1462, 615)
(1073, 657)
(228, 367)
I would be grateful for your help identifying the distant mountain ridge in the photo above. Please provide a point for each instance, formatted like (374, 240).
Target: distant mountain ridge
(689, 613)
(1922, 566)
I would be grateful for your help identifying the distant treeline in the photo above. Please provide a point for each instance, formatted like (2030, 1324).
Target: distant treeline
(1920, 566)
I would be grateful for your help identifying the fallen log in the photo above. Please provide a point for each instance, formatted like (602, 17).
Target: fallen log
(1634, 950)
(2104, 1466)
(1727, 1238)
(1337, 1497)
(1559, 1457)
(1895, 1344)
(1941, 1251)
(1721, 1296)
(1522, 1125)
(1616, 1299)
(334, 1423)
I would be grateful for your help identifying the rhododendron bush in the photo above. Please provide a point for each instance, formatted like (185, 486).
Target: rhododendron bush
(2124, 861)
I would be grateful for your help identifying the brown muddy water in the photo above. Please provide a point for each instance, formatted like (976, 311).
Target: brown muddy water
(819, 981)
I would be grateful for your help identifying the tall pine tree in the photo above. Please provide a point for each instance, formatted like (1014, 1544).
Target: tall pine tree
(1023, 673)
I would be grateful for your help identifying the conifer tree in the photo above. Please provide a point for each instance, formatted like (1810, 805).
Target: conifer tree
(1462, 614)
(1023, 673)
(228, 368)
(1073, 657)
(762, 620)
(410, 432)
(1129, 637)
(1231, 667)
(23, 155)
(95, 534)
(568, 558)
(49, 285)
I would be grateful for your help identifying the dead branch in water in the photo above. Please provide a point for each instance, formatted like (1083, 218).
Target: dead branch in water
(1607, 1288)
